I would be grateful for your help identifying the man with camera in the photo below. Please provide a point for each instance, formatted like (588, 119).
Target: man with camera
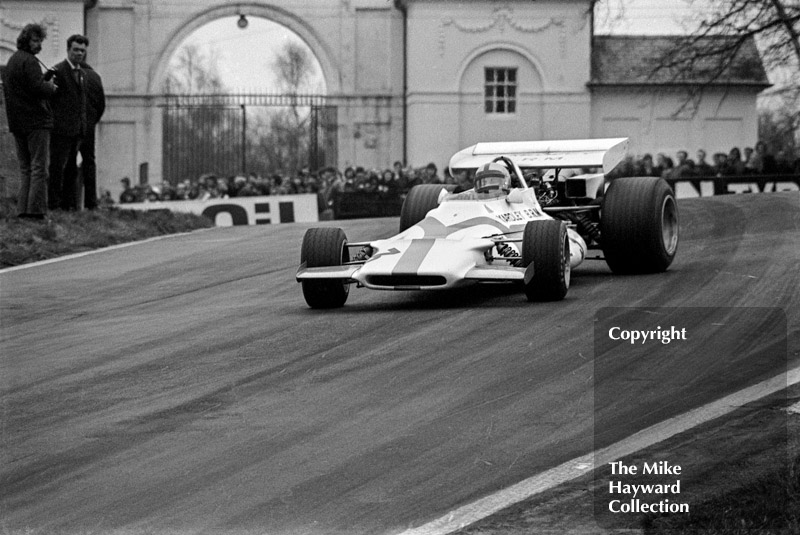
(30, 119)
(69, 123)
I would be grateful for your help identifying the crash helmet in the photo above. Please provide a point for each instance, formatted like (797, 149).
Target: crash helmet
(491, 177)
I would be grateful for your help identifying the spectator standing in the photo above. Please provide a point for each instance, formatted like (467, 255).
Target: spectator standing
(95, 107)
(399, 173)
(762, 162)
(391, 185)
(128, 194)
(734, 166)
(181, 192)
(684, 168)
(702, 166)
(412, 178)
(335, 184)
(748, 159)
(720, 163)
(105, 200)
(69, 123)
(664, 165)
(431, 174)
(349, 179)
(645, 166)
(30, 119)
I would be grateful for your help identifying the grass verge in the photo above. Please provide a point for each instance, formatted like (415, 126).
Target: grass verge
(769, 505)
(62, 233)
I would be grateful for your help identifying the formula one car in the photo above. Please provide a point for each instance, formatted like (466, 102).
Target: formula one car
(503, 229)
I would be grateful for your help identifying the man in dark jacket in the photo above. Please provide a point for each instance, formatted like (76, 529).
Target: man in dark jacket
(30, 119)
(69, 123)
(95, 106)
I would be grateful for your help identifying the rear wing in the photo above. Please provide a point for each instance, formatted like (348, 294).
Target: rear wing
(605, 153)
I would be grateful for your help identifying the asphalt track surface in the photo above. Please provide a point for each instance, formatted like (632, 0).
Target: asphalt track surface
(182, 385)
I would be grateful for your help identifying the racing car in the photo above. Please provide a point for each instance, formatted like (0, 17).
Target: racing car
(528, 227)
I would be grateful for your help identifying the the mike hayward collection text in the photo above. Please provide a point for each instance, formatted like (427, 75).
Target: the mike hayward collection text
(629, 500)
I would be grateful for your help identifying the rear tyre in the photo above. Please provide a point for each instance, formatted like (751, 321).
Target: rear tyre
(324, 247)
(419, 201)
(546, 244)
(639, 225)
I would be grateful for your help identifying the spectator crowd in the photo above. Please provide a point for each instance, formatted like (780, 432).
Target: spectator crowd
(756, 161)
(325, 183)
(399, 180)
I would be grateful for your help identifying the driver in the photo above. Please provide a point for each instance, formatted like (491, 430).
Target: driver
(492, 179)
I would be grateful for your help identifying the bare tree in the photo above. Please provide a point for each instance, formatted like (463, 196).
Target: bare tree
(713, 52)
(201, 134)
(193, 72)
(294, 69)
(775, 24)
(778, 127)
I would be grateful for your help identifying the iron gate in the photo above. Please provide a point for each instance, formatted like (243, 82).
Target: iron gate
(211, 134)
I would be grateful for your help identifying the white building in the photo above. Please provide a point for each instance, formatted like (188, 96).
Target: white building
(413, 80)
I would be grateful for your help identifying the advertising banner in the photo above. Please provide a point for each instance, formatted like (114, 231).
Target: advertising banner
(263, 210)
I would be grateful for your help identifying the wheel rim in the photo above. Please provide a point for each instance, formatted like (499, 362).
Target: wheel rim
(345, 258)
(669, 224)
(565, 258)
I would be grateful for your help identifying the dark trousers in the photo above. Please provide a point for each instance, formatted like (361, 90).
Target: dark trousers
(88, 171)
(62, 190)
(33, 152)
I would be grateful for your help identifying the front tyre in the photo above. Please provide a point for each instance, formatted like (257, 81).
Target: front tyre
(323, 247)
(420, 200)
(546, 244)
(639, 225)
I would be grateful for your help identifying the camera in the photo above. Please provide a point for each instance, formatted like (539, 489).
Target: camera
(49, 74)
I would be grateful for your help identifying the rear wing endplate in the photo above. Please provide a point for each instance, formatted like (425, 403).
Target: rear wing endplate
(605, 153)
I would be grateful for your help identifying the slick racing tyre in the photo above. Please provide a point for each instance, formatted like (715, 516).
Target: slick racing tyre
(546, 244)
(419, 201)
(322, 247)
(639, 225)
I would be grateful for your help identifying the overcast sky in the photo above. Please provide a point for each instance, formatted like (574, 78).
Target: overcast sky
(662, 17)
(245, 56)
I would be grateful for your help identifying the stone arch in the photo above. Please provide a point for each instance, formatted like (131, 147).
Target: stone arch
(272, 13)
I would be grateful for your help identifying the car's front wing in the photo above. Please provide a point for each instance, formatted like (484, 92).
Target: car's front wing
(413, 281)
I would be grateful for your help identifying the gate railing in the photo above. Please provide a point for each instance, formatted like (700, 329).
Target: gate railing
(209, 132)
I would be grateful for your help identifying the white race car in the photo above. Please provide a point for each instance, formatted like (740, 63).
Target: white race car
(504, 230)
